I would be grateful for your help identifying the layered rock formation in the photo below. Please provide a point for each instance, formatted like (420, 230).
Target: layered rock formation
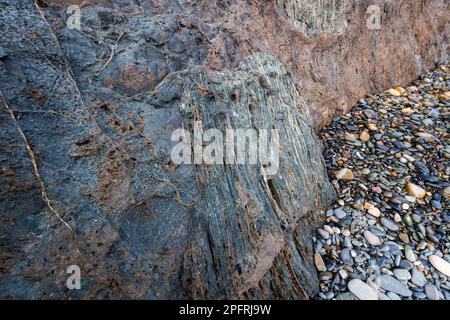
(87, 176)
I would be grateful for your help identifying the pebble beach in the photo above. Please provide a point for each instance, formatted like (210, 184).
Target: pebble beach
(387, 236)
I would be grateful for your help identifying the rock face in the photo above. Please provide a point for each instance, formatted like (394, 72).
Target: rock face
(87, 176)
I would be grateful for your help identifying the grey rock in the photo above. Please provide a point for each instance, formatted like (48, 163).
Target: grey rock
(102, 135)
(418, 278)
(389, 224)
(432, 291)
(346, 256)
(389, 283)
(347, 296)
(402, 274)
(362, 290)
(339, 213)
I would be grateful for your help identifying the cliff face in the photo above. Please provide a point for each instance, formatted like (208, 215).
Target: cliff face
(87, 117)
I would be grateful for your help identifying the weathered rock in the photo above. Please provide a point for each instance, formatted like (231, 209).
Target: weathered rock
(154, 228)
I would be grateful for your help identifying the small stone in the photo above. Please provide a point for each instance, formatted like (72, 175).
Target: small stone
(432, 291)
(371, 238)
(328, 229)
(418, 278)
(362, 290)
(405, 264)
(404, 237)
(446, 193)
(415, 190)
(440, 264)
(343, 274)
(436, 204)
(389, 283)
(350, 137)
(320, 265)
(426, 136)
(346, 233)
(339, 213)
(409, 158)
(374, 212)
(364, 136)
(407, 111)
(394, 296)
(389, 224)
(372, 127)
(377, 190)
(394, 92)
(345, 174)
(402, 274)
(346, 256)
(409, 254)
(346, 296)
(325, 235)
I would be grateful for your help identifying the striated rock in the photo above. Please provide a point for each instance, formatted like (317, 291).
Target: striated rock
(107, 195)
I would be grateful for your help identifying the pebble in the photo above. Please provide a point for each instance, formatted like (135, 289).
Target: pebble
(440, 264)
(409, 254)
(405, 264)
(320, 264)
(372, 239)
(402, 274)
(393, 296)
(346, 296)
(364, 136)
(389, 283)
(432, 291)
(374, 212)
(404, 237)
(418, 278)
(350, 137)
(415, 190)
(389, 224)
(362, 290)
(339, 213)
(345, 174)
(346, 256)
(325, 235)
